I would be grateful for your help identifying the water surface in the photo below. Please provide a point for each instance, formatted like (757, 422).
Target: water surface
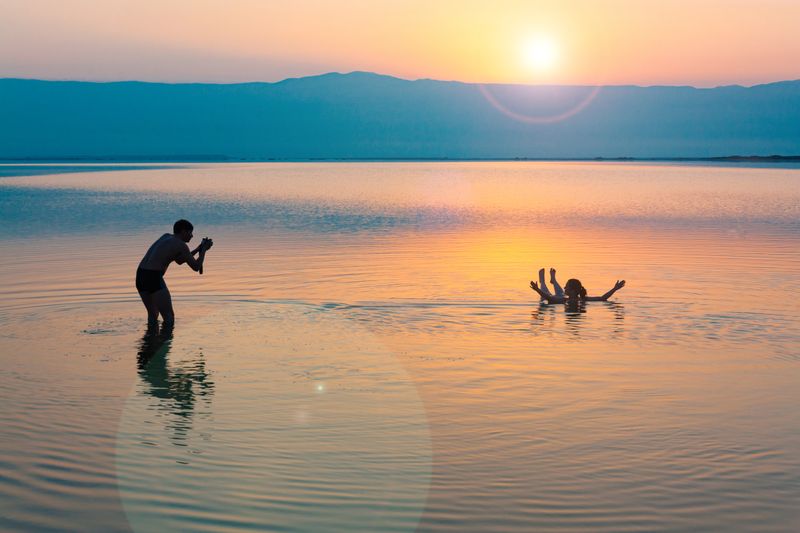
(363, 352)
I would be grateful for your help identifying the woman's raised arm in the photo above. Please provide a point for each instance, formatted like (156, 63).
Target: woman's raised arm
(617, 286)
(548, 297)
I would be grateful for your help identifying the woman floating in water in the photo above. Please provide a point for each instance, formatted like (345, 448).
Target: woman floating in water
(573, 291)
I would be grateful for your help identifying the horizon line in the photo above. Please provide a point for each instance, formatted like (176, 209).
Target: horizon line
(390, 76)
(218, 158)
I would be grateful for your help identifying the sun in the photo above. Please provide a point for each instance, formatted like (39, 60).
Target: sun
(540, 53)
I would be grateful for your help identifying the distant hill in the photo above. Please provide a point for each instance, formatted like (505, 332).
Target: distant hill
(364, 115)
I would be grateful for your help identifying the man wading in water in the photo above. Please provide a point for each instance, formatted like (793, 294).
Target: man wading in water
(150, 274)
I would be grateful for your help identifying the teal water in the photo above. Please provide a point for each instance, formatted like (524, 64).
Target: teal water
(363, 353)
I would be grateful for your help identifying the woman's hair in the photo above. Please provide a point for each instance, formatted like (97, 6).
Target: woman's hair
(574, 287)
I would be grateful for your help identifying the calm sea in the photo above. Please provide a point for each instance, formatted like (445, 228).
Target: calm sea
(363, 352)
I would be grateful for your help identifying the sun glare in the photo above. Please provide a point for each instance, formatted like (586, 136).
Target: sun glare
(540, 53)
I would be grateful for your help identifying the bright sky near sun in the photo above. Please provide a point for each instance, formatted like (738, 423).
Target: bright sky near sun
(644, 42)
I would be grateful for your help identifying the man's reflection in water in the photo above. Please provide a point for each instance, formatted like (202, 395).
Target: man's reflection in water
(544, 318)
(176, 386)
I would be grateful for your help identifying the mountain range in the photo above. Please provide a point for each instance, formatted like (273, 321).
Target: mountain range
(362, 115)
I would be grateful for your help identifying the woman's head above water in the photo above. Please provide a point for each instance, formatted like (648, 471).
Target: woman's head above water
(574, 289)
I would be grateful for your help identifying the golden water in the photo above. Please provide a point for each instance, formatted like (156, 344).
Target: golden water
(363, 351)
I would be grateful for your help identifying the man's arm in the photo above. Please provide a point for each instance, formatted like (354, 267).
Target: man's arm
(617, 286)
(185, 256)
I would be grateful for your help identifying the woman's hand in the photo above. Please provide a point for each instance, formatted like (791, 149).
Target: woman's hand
(617, 286)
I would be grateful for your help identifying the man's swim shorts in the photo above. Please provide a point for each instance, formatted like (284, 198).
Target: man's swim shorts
(149, 281)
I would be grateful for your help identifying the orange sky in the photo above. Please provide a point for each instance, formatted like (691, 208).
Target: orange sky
(644, 42)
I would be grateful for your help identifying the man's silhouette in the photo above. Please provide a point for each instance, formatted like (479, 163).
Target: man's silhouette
(150, 274)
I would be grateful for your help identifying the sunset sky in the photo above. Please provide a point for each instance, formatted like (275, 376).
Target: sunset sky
(645, 42)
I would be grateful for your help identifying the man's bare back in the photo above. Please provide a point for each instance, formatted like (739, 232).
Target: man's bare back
(165, 250)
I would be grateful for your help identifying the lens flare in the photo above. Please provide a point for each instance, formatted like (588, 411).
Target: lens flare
(590, 93)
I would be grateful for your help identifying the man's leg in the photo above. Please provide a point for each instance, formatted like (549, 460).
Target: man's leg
(152, 310)
(164, 304)
(542, 284)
